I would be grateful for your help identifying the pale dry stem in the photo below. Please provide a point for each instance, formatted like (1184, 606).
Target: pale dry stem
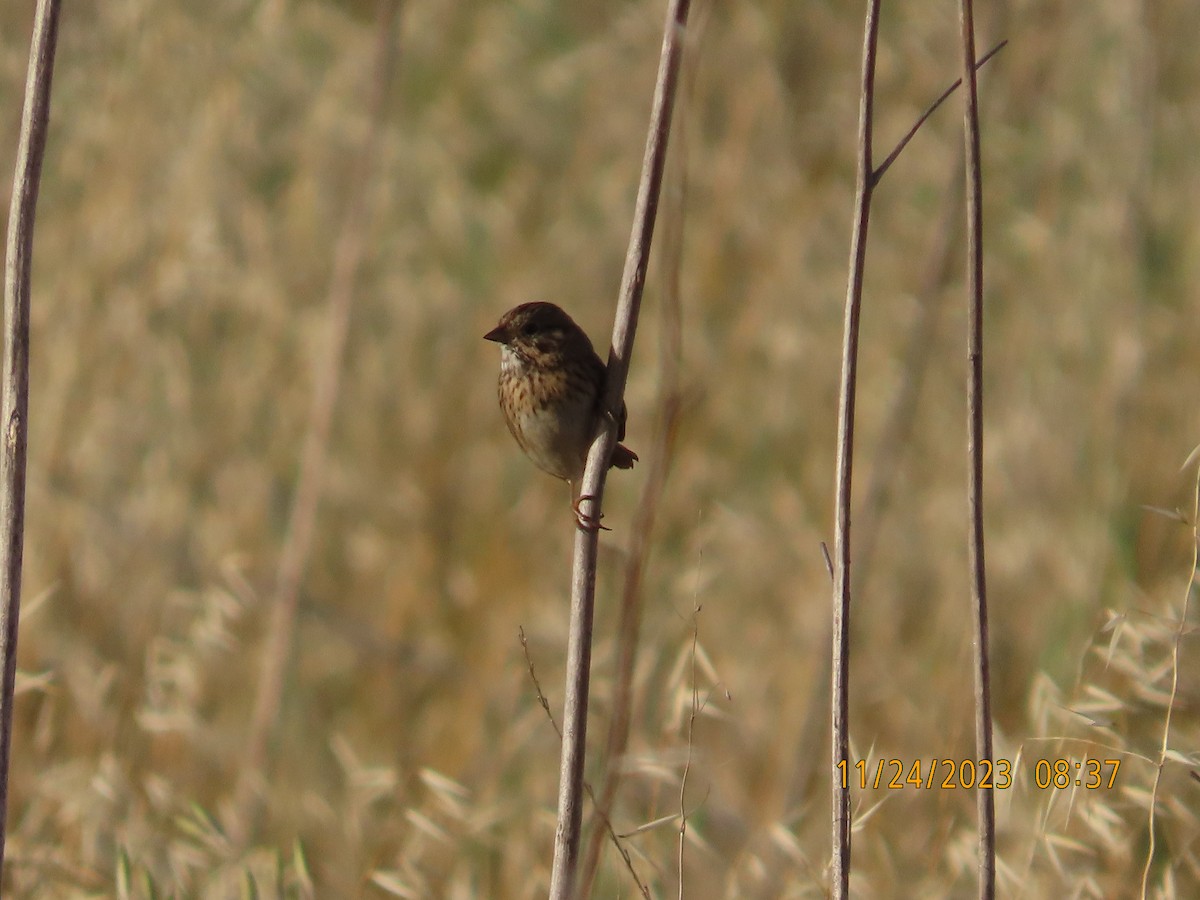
(564, 870)
(14, 402)
(1180, 630)
(840, 650)
(984, 796)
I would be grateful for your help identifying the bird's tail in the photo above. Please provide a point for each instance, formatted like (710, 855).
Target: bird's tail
(623, 458)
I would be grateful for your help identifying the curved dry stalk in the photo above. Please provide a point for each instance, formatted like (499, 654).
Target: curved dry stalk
(583, 572)
(14, 404)
(347, 260)
(840, 682)
(1181, 628)
(985, 801)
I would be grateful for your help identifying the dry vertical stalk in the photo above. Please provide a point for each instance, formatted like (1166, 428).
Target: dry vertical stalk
(985, 811)
(583, 573)
(840, 682)
(658, 460)
(629, 626)
(897, 425)
(14, 404)
(347, 260)
(870, 511)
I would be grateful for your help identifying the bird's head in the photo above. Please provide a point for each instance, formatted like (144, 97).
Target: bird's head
(538, 333)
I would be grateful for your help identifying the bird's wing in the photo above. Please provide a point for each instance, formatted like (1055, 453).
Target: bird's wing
(600, 396)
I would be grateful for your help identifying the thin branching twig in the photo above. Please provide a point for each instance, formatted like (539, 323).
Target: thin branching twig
(600, 812)
(893, 437)
(347, 260)
(14, 404)
(878, 174)
(894, 430)
(868, 178)
(985, 801)
(583, 574)
(840, 681)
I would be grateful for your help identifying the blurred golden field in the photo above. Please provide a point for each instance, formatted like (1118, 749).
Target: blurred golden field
(194, 188)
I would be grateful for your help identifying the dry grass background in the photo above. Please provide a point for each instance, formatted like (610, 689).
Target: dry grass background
(195, 179)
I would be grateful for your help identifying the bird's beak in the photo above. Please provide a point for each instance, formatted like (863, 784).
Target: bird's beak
(496, 334)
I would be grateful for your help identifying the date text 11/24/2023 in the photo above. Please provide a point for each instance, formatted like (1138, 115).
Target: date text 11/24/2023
(966, 774)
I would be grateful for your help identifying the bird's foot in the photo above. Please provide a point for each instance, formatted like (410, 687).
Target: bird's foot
(586, 522)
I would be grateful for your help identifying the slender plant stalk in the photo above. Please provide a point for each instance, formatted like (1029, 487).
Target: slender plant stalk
(658, 462)
(870, 510)
(985, 809)
(659, 459)
(1181, 628)
(898, 426)
(629, 624)
(347, 259)
(895, 431)
(14, 402)
(840, 682)
(583, 573)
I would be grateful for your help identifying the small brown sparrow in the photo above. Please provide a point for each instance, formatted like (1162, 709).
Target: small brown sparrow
(551, 386)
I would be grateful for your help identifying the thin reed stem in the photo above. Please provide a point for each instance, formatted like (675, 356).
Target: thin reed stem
(14, 392)
(840, 682)
(583, 573)
(985, 801)
(669, 403)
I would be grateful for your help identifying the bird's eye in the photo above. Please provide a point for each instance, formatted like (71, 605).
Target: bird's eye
(530, 329)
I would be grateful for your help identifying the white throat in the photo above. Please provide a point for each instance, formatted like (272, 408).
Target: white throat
(509, 361)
